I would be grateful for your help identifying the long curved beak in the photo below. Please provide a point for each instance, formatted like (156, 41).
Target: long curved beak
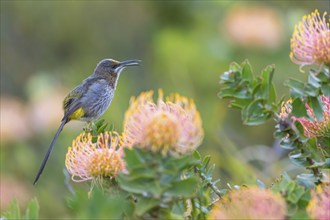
(126, 63)
(130, 63)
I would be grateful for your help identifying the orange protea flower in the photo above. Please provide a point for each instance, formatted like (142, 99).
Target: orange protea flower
(250, 203)
(310, 41)
(88, 161)
(319, 206)
(312, 126)
(172, 126)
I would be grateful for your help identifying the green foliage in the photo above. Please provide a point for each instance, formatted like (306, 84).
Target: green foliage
(110, 203)
(311, 153)
(205, 171)
(97, 128)
(31, 212)
(153, 186)
(318, 83)
(255, 96)
(296, 196)
(159, 184)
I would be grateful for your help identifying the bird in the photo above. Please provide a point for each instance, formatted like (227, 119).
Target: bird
(90, 99)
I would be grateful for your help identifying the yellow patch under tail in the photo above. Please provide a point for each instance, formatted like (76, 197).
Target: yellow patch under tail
(76, 115)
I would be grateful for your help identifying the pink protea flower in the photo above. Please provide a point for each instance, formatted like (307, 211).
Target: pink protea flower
(88, 161)
(319, 206)
(250, 203)
(173, 126)
(310, 41)
(314, 127)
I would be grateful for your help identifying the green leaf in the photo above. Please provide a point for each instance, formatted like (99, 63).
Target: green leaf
(300, 131)
(178, 164)
(282, 184)
(234, 93)
(176, 212)
(226, 93)
(311, 91)
(141, 173)
(99, 122)
(102, 128)
(225, 77)
(14, 211)
(313, 80)
(210, 171)
(197, 155)
(316, 105)
(307, 180)
(297, 87)
(110, 203)
(143, 205)
(32, 210)
(255, 113)
(288, 144)
(184, 188)
(206, 161)
(324, 142)
(272, 95)
(240, 103)
(317, 165)
(266, 84)
(132, 158)
(323, 75)
(327, 163)
(94, 139)
(325, 88)
(296, 196)
(139, 186)
(295, 192)
(298, 158)
(279, 134)
(235, 67)
(298, 108)
(261, 184)
(247, 73)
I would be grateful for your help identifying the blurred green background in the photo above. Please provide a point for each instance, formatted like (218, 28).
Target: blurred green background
(49, 47)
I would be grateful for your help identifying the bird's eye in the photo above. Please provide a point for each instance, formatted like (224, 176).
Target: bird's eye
(109, 64)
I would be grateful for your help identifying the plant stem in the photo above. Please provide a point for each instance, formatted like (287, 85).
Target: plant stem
(209, 182)
(315, 170)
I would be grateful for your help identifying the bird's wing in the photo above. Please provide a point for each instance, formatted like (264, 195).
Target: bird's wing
(72, 101)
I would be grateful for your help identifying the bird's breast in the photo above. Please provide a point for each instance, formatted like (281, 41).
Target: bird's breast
(97, 101)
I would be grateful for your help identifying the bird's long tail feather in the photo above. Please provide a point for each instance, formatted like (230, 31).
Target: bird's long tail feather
(43, 164)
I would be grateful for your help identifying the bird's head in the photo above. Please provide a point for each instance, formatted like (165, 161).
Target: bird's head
(112, 67)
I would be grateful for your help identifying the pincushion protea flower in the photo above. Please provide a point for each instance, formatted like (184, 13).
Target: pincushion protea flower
(173, 126)
(249, 203)
(310, 41)
(87, 161)
(319, 206)
(314, 127)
